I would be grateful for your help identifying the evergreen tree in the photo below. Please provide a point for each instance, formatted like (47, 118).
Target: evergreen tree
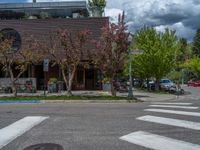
(196, 44)
(184, 51)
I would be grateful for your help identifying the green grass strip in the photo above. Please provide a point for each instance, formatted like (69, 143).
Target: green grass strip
(62, 98)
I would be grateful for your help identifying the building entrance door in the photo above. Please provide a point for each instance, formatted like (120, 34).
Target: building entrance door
(89, 79)
(39, 74)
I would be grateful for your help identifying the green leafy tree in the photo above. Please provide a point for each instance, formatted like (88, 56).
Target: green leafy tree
(97, 7)
(44, 15)
(139, 68)
(174, 75)
(194, 66)
(160, 51)
(196, 43)
(97, 3)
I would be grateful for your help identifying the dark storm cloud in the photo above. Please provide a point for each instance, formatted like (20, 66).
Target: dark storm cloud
(169, 18)
(192, 22)
(196, 2)
(180, 15)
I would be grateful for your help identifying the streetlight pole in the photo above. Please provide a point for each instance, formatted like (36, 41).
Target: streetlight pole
(130, 91)
(130, 53)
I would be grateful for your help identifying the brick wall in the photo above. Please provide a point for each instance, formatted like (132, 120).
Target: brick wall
(42, 28)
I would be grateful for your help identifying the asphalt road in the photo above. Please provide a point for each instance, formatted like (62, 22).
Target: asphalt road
(195, 92)
(100, 126)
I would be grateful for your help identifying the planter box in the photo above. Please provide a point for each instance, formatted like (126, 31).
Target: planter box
(23, 85)
(52, 88)
(106, 86)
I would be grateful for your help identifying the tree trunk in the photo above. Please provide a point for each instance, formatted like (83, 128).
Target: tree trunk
(113, 90)
(69, 88)
(14, 89)
(157, 84)
(64, 77)
(71, 78)
(148, 85)
(67, 83)
(14, 79)
(141, 82)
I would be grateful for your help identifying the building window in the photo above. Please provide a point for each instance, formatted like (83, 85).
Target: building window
(80, 76)
(12, 34)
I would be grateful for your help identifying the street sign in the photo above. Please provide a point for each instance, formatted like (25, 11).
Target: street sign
(137, 52)
(46, 65)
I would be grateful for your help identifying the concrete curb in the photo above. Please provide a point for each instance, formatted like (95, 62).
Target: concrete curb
(84, 101)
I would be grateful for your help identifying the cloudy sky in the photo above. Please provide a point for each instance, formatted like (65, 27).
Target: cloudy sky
(180, 15)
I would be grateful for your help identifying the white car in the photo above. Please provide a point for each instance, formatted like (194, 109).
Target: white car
(166, 84)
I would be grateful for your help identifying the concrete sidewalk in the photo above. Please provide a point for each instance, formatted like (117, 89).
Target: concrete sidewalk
(144, 96)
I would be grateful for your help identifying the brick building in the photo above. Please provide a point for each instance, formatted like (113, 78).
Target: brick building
(40, 19)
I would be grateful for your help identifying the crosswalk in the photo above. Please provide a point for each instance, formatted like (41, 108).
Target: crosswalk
(159, 142)
(172, 106)
(11, 132)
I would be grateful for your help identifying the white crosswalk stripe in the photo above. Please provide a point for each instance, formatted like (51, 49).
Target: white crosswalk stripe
(196, 114)
(173, 106)
(18, 128)
(162, 103)
(158, 142)
(170, 121)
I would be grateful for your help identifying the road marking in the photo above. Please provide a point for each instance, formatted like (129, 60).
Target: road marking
(18, 128)
(175, 112)
(173, 106)
(160, 103)
(172, 122)
(158, 142)
(20, 101)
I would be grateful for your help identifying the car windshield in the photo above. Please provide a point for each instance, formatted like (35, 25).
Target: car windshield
(165, 81)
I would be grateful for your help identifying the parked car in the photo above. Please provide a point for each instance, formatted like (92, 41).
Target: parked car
(193, 83)
(167, 84)
(151, 84)
(136, 82)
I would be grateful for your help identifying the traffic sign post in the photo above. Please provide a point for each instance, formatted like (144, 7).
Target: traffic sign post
(46, 65)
